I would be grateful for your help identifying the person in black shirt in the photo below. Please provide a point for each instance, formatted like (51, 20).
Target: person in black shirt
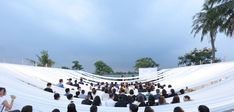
(87, 101)
(131, 97)
(48, 88)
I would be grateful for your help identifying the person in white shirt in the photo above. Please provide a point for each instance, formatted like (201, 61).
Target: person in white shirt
(82, 95)
(111, 101)
(5, 106)
(105, 95)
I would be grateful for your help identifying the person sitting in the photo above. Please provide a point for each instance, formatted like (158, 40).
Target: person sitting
(48, 88)
(56, 96)
(97, 101)
(162, 101)
(67, 91)
(148, 93)
(4, 105)
(140, 101)
(60, 84)
(27, 108)
(164, 93)
(172, 93)
(121, 102)
(178, 109)
(71, 107)
(133, 108)
(203, 108)
(131, 97)
(111, 101)
(123, 96)
(56, 110)
(186, 98)
(148, 109)
(81, 81)
(90, 94)
(105, 95)
(77, 94)
(87, 101)
(82, 95)
(69, 82)
(176, 99)
(70, 97)
(76, 84)
(93, 108)
(157, 94)
(94, 91)
(151, 101)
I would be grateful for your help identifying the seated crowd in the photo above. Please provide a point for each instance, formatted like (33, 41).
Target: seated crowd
(112, 95)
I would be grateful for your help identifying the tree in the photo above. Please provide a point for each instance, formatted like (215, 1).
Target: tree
(77, 65)
(224, 9)
(146, 62)
(197, 57)
(44, 60)
(207, 23)
(102, 68)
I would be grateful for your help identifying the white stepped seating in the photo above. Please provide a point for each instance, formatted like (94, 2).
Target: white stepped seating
(26, 82)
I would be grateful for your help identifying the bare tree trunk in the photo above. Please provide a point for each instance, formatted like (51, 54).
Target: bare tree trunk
(213, 47)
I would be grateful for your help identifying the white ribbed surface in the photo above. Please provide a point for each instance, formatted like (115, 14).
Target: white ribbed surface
(26, 82)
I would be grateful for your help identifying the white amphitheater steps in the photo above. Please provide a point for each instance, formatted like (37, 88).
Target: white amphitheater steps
(214, 84)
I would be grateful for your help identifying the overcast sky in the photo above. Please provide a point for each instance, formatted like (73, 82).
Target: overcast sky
(116, 31)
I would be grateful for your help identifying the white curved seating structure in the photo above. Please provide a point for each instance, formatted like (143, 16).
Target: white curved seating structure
(214, 84)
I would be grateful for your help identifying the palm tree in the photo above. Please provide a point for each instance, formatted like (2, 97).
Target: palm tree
(77, 65)
(207, 23)
(224, 10)
(44, 59)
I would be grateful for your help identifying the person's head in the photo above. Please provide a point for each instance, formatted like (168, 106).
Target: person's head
(69, 80)
(56, 110)
(158, 91)
(106, 90)
(70, 97)
(77, 93)
(97, 101)
(164, 92)
(182, 91)
(172, 91)
(151, 100)
(122, 90)
(131, 92)
(161, 100)
(49, 84)
(93, 108)
(60, 80)
(94, 91)
(27, 108)
(67, 90)
(133, 108)
(178, 109)
(203, 108)
(176, 99)
(187, 98)
(148, 109)
(140, 98)
(71, 107)
(169, 86)
(82, 91)
(2, 91)
(56, 96)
